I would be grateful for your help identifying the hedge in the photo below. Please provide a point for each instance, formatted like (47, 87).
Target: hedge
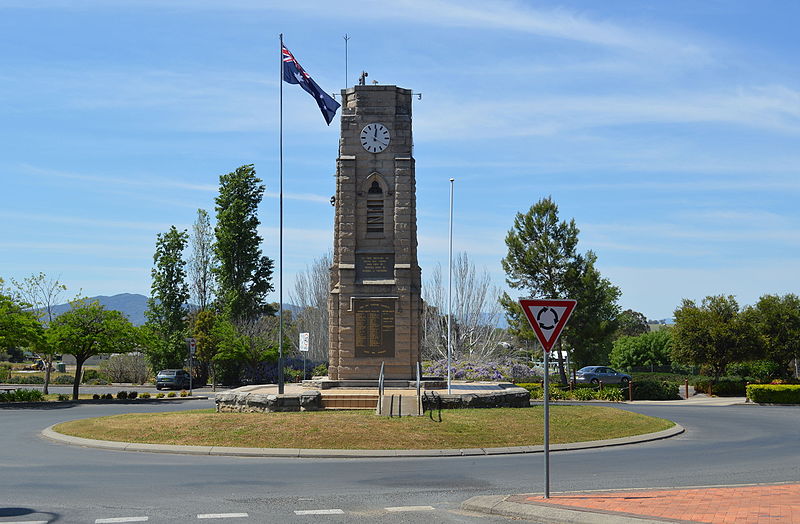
(654, 390)
(774, 393)
(725, 387)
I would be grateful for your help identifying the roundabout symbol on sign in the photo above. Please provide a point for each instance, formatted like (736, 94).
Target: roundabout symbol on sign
(552, 320)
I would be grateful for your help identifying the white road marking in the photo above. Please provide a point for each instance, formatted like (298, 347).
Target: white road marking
(395, 509)
(318, 512)
(120, 519)
(222, 515)
(26, 522)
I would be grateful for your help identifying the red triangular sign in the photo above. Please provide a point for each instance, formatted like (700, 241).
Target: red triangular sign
(547, 317)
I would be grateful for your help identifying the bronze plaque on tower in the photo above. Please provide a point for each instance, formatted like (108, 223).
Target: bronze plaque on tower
(374, 333)
(379, 266)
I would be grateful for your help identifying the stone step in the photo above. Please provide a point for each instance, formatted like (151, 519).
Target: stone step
(349, 401)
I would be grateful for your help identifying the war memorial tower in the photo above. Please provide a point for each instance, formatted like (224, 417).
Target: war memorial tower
(375, 304)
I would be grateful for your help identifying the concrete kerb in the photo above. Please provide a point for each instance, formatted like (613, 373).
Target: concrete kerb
(500, 505)
(50, 434)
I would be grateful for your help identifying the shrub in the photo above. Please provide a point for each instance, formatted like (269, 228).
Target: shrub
(759, 370)
(774, 393)
(130, 367)
(725, 387)
(612, 394)
(535, 389)
(108, 396)
(289, 375)
(557, 393)
(96, 396)
(27, 379)
(584, 394)
(5, 372)
(145, 395)
(320, 371)
(64, 379)
(504, 370)
(122, 395)
(654, 390)
(90, 374)
(184, 393)
(96, 382)
(171, 394)
(160, 395)
(62, 397)
(132, 395)
(22, 395)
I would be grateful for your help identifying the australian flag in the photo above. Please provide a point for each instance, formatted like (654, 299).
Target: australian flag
(293, 73)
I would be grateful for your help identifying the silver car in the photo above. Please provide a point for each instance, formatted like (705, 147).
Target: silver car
(597, 374)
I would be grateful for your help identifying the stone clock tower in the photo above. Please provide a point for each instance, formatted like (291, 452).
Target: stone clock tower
(375, 304)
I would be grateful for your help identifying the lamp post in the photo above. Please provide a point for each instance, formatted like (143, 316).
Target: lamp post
(450, 292)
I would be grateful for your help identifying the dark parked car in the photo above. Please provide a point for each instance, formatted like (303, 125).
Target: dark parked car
(597, 374)
(172, 378)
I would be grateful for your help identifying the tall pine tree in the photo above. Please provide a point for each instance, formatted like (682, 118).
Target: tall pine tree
(243, 274)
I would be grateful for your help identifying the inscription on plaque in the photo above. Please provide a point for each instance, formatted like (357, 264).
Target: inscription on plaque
(374, 327)
(374, 266)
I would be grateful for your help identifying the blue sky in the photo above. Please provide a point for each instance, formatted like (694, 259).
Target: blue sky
(668, 130)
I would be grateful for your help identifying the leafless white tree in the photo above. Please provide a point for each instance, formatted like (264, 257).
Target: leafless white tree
(43, 294)
(476, 312)
(310, 295)
(202, 260)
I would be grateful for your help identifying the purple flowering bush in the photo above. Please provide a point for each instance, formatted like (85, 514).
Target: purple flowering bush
(495, 371)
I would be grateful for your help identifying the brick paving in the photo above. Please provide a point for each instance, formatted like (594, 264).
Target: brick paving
(727, 505)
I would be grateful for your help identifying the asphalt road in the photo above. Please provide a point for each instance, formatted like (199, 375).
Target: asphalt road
(41, 481)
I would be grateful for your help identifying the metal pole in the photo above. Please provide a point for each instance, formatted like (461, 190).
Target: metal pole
(346, 39)
(191, 369)
(280, 234)
(450, 292)
(546, 426)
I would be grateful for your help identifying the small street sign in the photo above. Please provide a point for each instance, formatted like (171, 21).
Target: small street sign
(192, 343)
(304, 341)
(547, 318)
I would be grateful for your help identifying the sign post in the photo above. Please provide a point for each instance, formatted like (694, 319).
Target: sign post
(547, 318)
(191, 343)
(304, 340)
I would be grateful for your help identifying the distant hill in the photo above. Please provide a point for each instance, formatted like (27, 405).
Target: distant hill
(131, 305)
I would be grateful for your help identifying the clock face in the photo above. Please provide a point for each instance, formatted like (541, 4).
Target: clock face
(375, 138)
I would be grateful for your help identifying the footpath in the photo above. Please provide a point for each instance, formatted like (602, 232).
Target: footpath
(746, 504)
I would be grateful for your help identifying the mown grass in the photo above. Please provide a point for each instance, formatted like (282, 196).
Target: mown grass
(364, 430)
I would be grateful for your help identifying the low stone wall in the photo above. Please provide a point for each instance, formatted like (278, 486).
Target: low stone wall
(243, 402)
(508, 397)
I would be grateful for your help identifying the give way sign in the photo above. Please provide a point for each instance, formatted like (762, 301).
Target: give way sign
(547, 317)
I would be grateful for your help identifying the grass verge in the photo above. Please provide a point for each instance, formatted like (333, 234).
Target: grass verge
(463, 428)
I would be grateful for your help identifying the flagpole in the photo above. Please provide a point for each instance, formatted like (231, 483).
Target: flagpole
(450, 292)
(346, 39)
(280, 232)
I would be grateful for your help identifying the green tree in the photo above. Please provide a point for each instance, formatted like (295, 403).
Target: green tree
(249, 343)
(43, 294)
(166, 309)
(207, 344)
(714, 334)
(543, 261)
(779, 325)
(647, 350)
(243, 274)
(89, 329)
(201, 263)
(632, 324)
(19, 326)
(593, 323)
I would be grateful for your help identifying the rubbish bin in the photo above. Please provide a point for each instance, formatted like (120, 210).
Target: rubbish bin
(61, 367)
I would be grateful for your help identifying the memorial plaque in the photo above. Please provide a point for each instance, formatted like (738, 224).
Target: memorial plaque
(374, 331)
(374, 266)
